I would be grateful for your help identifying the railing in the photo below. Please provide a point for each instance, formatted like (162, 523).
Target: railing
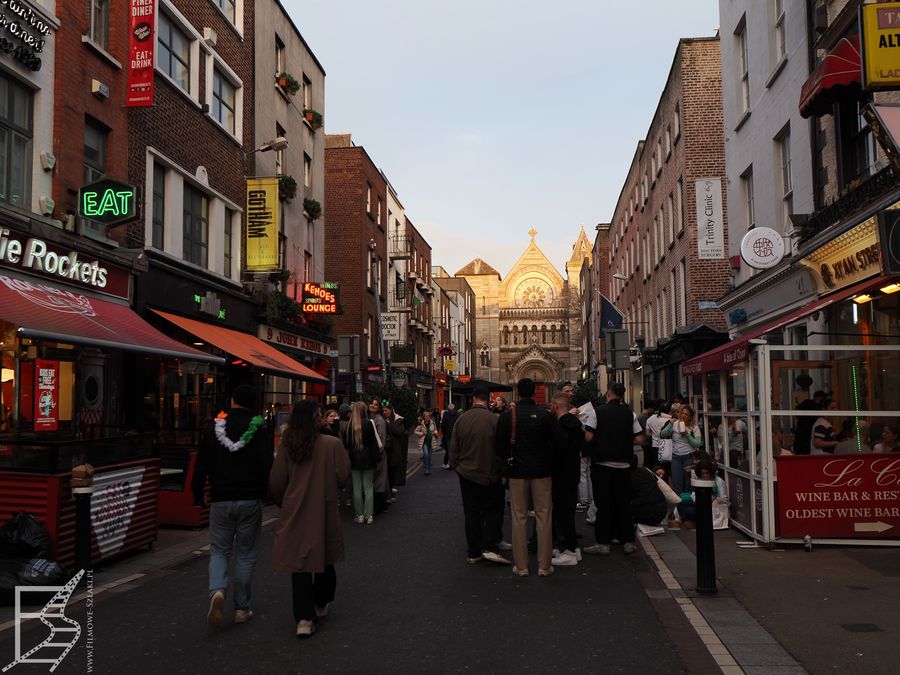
(403, 353)
(400, 246)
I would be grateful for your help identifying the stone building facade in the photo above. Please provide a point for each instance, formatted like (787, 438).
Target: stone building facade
(529, 323)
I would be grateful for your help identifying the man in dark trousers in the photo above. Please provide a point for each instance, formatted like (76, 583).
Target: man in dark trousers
(236, 457)
(448, 420)
(525, 443)
(617, 426)
(475, 461)
(568, 442)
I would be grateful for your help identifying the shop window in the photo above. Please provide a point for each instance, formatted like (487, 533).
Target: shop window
(95, 140)
(15, 140)
(159, 206)
(227, 243)
(196, 226)
(99, 29)
(224, 101)
(174, 57)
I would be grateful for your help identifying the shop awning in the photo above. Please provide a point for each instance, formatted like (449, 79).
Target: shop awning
(45, 311)
(840, 69)
(736, 351)
(247, 347)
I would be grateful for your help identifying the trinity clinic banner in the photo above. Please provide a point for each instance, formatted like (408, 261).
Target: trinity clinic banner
(262, 224)
(142, 38)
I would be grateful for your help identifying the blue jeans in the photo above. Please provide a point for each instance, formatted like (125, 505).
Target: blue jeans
(234, 524)
(426, 461)
(681, 480)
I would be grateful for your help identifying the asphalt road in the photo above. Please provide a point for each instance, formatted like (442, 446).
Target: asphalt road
(406, 602)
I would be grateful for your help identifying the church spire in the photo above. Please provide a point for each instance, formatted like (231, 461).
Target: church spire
(532, 233)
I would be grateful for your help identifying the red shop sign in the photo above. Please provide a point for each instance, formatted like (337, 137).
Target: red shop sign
(46, 395)
(839, 496)
(140, 54)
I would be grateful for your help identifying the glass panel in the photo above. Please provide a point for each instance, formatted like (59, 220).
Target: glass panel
(18, 170)
(4, 163)
(21, 112)
(4, 98)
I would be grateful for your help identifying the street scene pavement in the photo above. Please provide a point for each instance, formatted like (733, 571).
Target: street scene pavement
(408, 602)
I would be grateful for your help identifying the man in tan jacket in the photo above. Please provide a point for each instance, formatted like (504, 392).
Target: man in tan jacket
(475, 460)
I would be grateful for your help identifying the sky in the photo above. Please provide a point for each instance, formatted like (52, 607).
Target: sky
(490, 117)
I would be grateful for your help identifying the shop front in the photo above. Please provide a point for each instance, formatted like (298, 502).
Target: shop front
(68, 343)
(306, 348)
(802, 412)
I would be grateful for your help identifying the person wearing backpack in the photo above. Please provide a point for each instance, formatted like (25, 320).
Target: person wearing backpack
(362, 446)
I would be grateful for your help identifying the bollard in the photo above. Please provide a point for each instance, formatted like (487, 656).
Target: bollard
(83, 527)
(706, 553)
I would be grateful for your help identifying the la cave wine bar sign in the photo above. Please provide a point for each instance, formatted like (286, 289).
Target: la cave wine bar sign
(320, 298)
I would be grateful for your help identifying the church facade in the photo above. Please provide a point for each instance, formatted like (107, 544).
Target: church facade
(528, 324)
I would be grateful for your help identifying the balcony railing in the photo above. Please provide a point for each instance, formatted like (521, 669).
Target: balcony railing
(403, 353)
(399, 299)
(399, 246)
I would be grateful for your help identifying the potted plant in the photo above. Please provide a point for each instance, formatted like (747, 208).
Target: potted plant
(287, 188)
(287, 83)
(312, 208)
(313, 117)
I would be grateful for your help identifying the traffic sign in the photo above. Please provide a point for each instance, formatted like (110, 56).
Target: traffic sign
(449, 365)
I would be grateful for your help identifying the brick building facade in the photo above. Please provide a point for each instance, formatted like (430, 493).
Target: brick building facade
(658, 280)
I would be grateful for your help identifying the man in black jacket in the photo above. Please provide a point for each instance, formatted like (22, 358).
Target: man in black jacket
(617, 426)
(568, 442)
(525, 445)
(448, 420)
(236, 457)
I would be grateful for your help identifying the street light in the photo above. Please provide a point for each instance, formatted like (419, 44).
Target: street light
(619, 276)
(277, 143)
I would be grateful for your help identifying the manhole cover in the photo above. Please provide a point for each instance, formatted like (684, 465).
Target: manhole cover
(861, 628)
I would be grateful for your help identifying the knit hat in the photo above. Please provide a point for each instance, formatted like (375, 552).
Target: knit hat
(344, 409)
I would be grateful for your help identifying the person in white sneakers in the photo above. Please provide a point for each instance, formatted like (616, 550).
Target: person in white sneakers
(568, 444)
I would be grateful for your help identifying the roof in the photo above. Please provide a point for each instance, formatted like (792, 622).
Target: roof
(477, 267)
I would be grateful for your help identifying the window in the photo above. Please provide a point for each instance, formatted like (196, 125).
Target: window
(651, 316)
(679, 206)
(227, 243)
(279, 154)
(99, 29)
(159, 206)
(646, 256)
(744, 68)
(368, 199)
(749, 205)
(228, 8)
(307, 170)
(16, 131)
(223, 101)
(682, 287)
(196, 226)
(656, 242)
(661, 223)
(370, 271)
(371, 334)
(857, 146)
(672, 300)
(307, 92)
(659, 155)
(174, 57)
(671, 219)
(280, 56)
(676, 122)
(779, 29)
(787, 191)
(307, 266)
(668, 141)
(95, 138)
(378, 212)
(644, 191)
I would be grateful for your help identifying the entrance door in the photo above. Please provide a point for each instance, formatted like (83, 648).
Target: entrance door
(540, 393)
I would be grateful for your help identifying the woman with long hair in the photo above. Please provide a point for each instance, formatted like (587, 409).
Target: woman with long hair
(308, 469)
(362, 446)
(686, 438)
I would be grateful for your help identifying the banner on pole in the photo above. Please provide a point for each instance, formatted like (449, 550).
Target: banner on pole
(262, 224)
(141, 39)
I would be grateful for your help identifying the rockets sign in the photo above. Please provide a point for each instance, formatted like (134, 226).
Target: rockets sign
(320, 298)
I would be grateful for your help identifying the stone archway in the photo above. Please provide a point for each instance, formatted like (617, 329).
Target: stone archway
(543, 374)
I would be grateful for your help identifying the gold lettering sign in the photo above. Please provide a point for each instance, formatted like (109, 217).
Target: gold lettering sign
(881, 45)
(852, 257)
(262, 224)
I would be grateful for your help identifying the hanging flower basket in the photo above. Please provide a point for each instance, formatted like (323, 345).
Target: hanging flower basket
(287, 83)
(312, 208)
(287, 188)
(313, 117)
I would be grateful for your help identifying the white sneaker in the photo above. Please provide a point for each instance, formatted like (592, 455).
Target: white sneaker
(565, 559)
(503, 546)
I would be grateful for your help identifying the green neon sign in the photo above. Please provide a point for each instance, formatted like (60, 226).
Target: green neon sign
(107, 201)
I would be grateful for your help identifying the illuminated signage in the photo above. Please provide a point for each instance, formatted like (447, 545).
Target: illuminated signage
(140, 54)
(848, 259)
(320, 298)
(108, 202)
(285, 338)
(37, 256)
(881, 40)
(262, 224)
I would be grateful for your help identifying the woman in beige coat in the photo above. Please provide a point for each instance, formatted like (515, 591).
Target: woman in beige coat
(304, 482)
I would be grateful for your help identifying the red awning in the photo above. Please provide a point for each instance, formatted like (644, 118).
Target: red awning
(839, 69)
(247, 347)
(737, 350)
(46, 311)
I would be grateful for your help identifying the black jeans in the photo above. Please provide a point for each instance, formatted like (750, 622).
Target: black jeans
(311, 591)
(612, 495)
(483, 507)
(565, 498)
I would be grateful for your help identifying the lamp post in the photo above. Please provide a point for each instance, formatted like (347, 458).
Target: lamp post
(376, 277)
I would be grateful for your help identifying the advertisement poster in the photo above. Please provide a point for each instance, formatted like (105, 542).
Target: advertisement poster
(839, 496)
(710, 222)
(141, 40)
(46, 395)
(262, 224)
(880, 40)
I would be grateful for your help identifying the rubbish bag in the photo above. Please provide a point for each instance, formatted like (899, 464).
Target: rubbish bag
(23, 537)
(41, 572)
(9, 579)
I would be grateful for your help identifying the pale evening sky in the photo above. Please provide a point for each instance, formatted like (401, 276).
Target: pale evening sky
(493, 116)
